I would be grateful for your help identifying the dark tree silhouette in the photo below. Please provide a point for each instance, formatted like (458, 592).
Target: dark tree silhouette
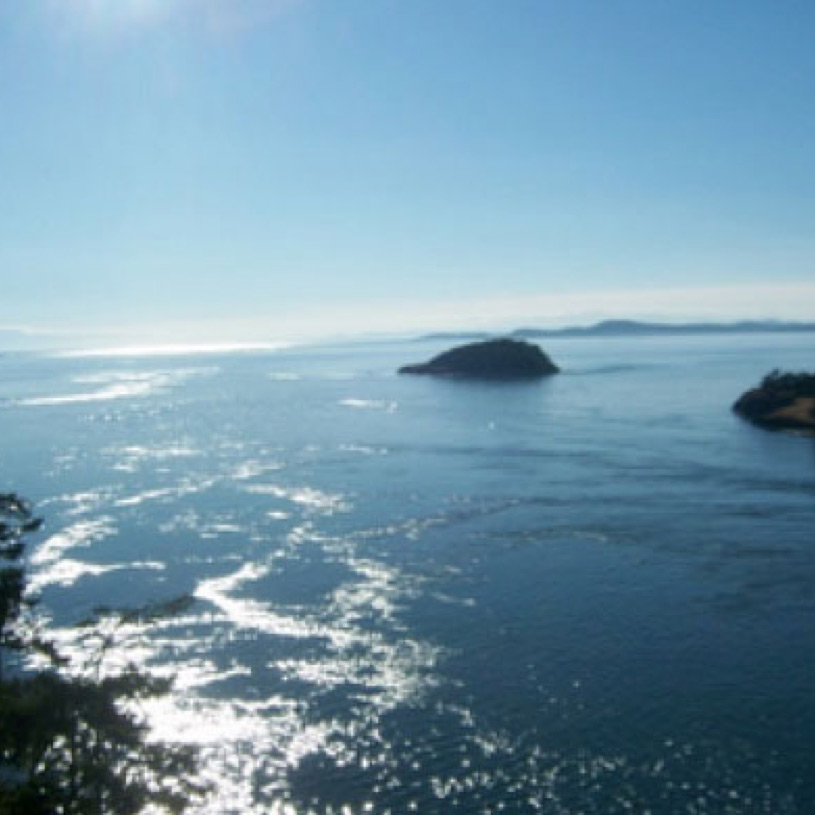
(67, 745)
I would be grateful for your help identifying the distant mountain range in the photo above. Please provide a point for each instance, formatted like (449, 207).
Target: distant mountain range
(633, 328)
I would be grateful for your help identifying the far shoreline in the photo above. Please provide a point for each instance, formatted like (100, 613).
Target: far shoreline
(605, 330)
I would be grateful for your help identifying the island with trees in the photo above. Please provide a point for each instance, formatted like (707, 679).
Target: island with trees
(783, 401)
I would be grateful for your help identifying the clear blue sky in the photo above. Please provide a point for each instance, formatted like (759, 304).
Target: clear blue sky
(262, 168)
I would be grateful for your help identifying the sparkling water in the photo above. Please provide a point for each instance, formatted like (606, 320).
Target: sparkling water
(594, 593)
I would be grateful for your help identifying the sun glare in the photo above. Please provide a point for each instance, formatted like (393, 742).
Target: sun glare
(216, 16)
(115, 13)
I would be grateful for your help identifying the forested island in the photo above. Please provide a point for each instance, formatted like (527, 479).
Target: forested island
(781, 401)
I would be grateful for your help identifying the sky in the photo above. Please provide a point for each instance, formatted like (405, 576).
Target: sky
(281, 169)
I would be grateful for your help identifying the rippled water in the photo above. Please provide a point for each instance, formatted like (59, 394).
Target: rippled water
(592, 594)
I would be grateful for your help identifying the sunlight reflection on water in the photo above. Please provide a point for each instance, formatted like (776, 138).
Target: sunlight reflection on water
(118, 385)
(398, 611)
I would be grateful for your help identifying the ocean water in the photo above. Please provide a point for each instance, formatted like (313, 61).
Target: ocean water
(590, 594)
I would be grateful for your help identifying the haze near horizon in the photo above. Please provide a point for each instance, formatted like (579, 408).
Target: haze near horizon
(254, 171)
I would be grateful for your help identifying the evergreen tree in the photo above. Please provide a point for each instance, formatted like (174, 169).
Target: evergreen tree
(72, 746)
(16, 521)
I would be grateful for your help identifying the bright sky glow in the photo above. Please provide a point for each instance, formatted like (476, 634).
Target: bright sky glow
(113, 12)
(124, 18)
(216, 171)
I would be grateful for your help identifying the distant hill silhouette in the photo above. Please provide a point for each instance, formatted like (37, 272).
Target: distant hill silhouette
(635, 328)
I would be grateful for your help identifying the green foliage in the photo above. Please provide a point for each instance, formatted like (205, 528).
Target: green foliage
(12, 586)
(73, 746)
(16, 520)
(143, 614)
(789, 385)
(79, 751)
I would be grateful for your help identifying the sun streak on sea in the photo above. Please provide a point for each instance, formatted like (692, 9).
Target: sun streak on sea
(412, 596)
(173, 349)
(347, 643)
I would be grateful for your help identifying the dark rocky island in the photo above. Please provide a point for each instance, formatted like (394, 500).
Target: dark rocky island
(493, 359)
(782, 401)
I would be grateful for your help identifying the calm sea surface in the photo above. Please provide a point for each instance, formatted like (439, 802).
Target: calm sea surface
(590, 594)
